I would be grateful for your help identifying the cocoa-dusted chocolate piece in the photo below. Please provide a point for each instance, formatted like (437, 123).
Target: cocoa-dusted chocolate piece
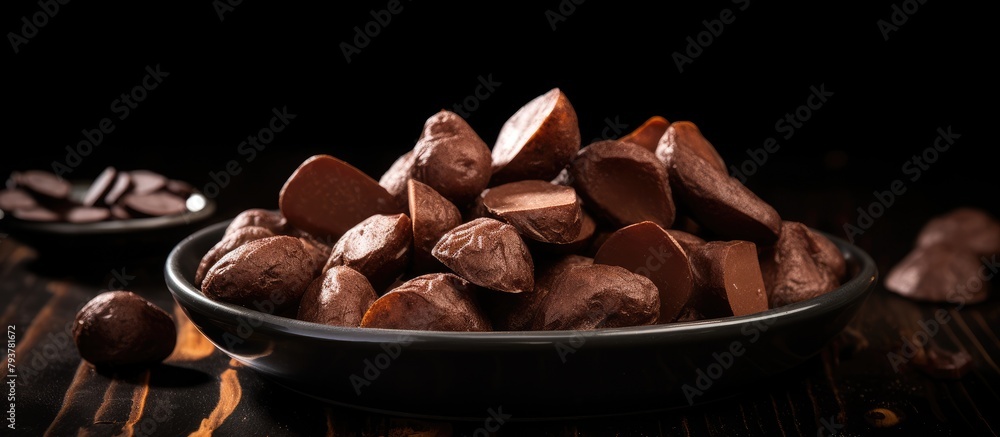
(145, 181)
(969, 228)
(432, 302)
(229, 242)
(14, 198)
(488, 253)
(538, 141)
(100, 187)
(156, 204)
(318, 251)
(939, 273)
(598, 296)
(648, 135)
(684, 134)
(579, 242)
(451, 158)
(719, 202)
(432, 216)
(271, 220)
(123, 181)
(688, 241)
(394, 180)
(539, 210)
(120, 328)
(646, 249)
(273, 269)
(516, 311)
(84, 214)
(326, 196)
(728, 279)
(624, 183)
(798, 266)
(42, 183)
(36, 214)
(379, 248)
(340, 297)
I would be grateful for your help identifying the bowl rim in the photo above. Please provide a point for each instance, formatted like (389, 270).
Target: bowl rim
(191, 299)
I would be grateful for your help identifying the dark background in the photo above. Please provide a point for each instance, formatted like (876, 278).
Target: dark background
(612, 59)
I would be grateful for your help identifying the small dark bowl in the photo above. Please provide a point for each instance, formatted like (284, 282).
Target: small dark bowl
(531, 375)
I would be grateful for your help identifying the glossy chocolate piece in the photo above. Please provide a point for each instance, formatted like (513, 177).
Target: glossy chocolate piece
(688, 241)
(646, 249)
(394, 180)
(969, 228)
(379, 248)
(516, 311)
(798, 266)
(36, 214)
(943, 364)
(84, 214)
(719, 202)
(488, 253)
(123, 181)
(265, 273)
(432, 216)
(14, 198)
(939, 273)
(145, 181)
(433, 302)
(100, 187)
(538, 209)
(42, 183)
(538, 141)
(623, 183)
(119, 212)
(648, 135)
(265, 218)
(728, 279)
(684, 134)
(451, 158)
(598, 296)
(120, 328)
(156, 204)
(229, 242)
(326, 196)
(339, 297)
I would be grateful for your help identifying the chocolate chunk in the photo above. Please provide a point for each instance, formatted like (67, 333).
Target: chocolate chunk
(42, 183)
(120, 328)
(488, 253)
(326, 196)
(122, 183)
(340, 297)
(539, 210)
(228, 243)
(432, 216)
(943, 364)
(275, 270)
(318, 251)
(13, 198)
(685, 135)
(36, 214)
(451, 158)
(598, 296)
(623, 183)
(100, 187)
(563, 178)
(120, 213)
(145, 181)
(271, 220)
(394, 179)
(939, 273)
(689, 242)
(719, 202)
(964, 227)
(378, 247)
(798, 266)
(516, 311)
(433, 302)
(538, 141)
(180, 188)
(154, 204)
(579, 242)
(728, 279)
(646, 249)
(648, 135)
(84, 214)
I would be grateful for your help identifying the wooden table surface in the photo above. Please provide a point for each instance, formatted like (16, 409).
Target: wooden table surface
(851, 388)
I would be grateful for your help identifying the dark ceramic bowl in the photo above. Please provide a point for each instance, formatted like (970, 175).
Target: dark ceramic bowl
(548, 374)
